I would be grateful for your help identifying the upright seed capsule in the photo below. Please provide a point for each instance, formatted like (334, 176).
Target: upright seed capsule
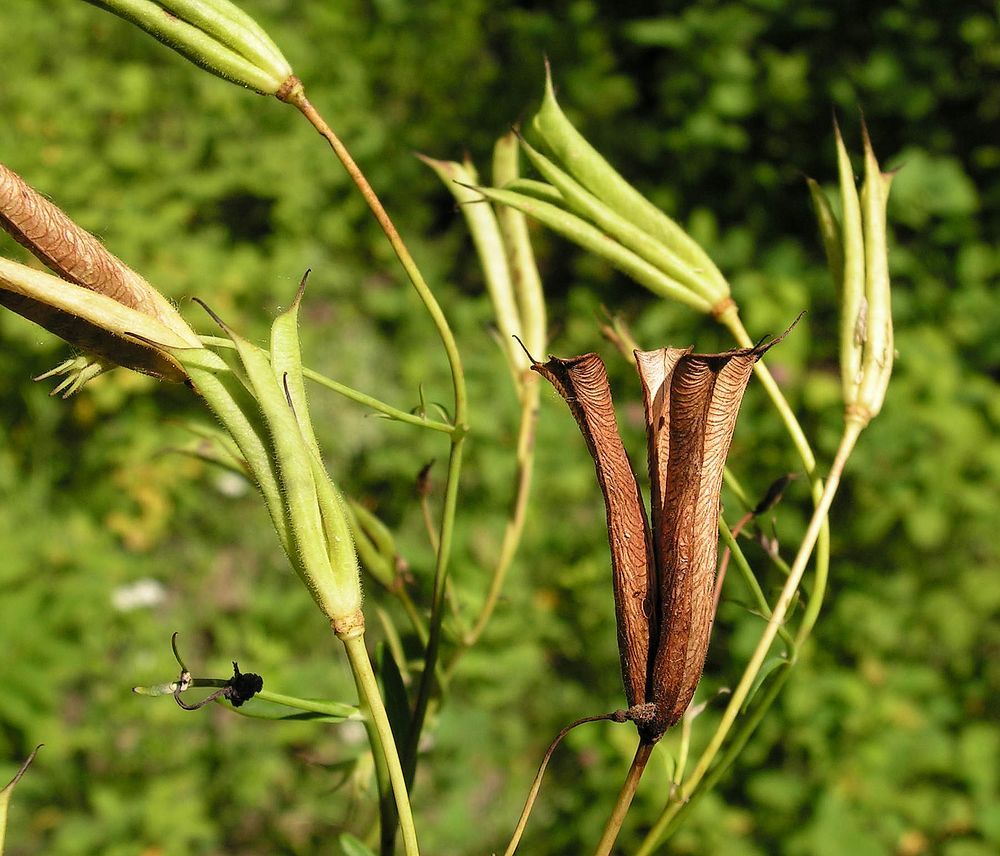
(583, 382)
(663, 582)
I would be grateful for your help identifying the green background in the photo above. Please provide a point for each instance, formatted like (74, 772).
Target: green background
(886, 738)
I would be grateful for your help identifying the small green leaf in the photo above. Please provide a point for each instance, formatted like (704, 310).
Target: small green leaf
(770, 665)
(353, 846)
(397, 704)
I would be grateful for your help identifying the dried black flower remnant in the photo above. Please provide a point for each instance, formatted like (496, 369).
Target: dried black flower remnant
(243, 687)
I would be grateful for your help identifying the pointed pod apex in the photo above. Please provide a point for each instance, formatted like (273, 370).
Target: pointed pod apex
(212, 314)
(300, 293)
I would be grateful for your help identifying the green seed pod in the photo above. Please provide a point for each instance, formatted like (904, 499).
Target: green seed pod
(536, 190)
(321, 548)
(215, 35)
(857, 253)
(591, 238)
(486, 236)
(225, 395)
(581, 160)
(876, 365)
(286, 370)
(853, 315)
(585, 204)
(829, 230)
(520, 256)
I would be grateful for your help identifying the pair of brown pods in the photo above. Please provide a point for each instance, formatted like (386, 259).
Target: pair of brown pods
(664, 567)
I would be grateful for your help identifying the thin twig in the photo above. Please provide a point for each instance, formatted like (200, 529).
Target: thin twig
(529, 803)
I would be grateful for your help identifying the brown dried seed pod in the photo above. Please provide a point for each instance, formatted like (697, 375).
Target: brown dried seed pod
(664, 582)
(692, 401)
(583, 382)
(72, 252)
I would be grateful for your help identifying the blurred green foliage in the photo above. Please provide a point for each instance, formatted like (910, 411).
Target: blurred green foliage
(886, 738)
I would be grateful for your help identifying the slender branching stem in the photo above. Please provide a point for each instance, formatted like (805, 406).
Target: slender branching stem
(427, 677)
(380, 734)
(816, 524)
(625, 795)
(298, 98)
(529, 803)
(350, 393)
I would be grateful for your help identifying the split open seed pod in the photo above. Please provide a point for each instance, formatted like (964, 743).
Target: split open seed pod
(663, 570)
(96, 303)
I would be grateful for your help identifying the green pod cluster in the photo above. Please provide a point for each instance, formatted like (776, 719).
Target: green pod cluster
(278, 443)
(215, 35)
(583, 198)
(857, 253)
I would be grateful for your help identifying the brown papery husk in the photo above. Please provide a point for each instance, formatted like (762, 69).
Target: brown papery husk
(75, 255)
(692, 402)
(583, 382)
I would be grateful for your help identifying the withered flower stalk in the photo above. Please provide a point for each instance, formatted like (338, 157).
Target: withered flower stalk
(664, 574)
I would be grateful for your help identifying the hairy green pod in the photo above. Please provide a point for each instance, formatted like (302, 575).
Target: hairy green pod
(573, 153)
(213, 34)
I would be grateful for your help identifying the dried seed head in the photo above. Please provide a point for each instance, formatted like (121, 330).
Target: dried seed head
(664, 582)
(71, 252)
(583, 382)
(692, 401)
(82, 261)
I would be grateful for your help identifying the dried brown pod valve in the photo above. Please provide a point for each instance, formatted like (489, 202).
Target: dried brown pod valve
(95, 301)
(663, 570)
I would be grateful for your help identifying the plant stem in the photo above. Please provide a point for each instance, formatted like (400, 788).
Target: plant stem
(388, 410)
(380, 734)
(348, 392)
(529, 803)
(678, 809)
(426, 686)
(297, 97)
(730, 319)
(816, 524)
(625, 795)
